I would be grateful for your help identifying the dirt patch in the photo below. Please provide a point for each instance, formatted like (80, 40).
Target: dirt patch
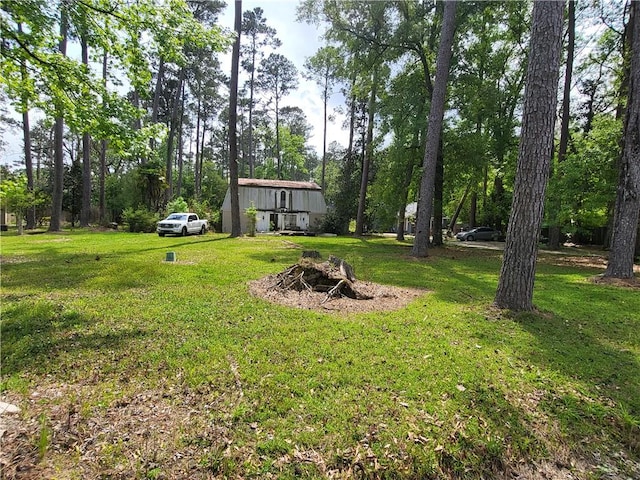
(617, 282)
(330, 286)
(384, 297)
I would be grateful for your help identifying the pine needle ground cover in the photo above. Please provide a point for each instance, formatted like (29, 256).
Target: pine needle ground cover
(128, 366)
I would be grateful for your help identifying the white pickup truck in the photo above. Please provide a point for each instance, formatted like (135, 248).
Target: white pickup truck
(182, 224)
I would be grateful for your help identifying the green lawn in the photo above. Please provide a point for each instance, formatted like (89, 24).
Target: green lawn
(126, 366)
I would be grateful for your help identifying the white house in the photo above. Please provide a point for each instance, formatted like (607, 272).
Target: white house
(281, 205)
(410, 213)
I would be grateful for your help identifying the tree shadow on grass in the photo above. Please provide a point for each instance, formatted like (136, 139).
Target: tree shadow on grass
(492, 436)
(591, 382)
(35, 336)
(53, 269)
(70, 271)
(188, 241)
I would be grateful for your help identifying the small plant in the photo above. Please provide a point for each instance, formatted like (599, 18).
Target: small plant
(154, 473)
(44, 439)
(252, 215)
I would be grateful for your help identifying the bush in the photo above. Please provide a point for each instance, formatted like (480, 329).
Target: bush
(252, 216)
(215, 221)
(334, 223)
(201, 208)
(140, 220)
(177, 205)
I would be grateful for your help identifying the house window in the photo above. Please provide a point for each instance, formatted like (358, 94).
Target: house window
(283, 199)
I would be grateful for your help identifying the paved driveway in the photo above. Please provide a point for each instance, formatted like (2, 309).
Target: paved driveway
(478, 244)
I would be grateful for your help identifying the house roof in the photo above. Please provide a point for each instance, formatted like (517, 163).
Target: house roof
(259, 182)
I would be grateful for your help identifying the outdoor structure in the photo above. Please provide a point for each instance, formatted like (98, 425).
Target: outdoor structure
(410, 213)
(281, 205)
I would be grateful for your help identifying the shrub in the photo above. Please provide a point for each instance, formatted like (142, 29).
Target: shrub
(140, 220)
(201, 208)
(215, 221)
(334, 223)
(252, 215)
(177, 205)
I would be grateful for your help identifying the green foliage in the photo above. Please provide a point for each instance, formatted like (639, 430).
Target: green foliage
(333, 222)
(131, 33)
(177, 205)
(44, 438)
(252, 215)
(214, 186)
(586, 181)
(140, 220)
(341, 193)
(15, 196)
(294, 155)
(72, 191)
(445, 387)
(151, 184)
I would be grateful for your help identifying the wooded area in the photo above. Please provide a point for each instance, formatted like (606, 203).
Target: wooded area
(142, 116)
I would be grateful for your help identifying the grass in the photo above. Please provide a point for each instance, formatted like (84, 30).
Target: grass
(150, 369)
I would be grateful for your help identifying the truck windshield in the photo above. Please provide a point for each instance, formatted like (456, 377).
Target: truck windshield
(176, 217)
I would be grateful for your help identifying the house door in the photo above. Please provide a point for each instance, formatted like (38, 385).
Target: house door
(274, 221)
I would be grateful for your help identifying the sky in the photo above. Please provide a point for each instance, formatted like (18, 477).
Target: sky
(299, 42)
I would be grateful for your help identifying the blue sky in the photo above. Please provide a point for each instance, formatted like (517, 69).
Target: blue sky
(299, 42)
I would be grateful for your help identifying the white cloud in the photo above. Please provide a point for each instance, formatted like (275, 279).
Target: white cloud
(299, 42)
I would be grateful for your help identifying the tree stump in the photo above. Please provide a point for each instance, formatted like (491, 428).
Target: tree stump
(335, 277)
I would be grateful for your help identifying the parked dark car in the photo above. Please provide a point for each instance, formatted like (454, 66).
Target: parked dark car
(479, 233)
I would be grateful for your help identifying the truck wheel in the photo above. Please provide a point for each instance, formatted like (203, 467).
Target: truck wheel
(184, 231)
(203, 230)
(161, 234)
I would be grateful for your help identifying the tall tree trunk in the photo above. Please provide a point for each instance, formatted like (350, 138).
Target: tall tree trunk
(406, 182)
(325, 101)
(517, 275)
(352, 117)
(627, 210)
(438, 190)
(175, 110)
(625, 47)
(58, 140)
(196, 163)
(473, 208)
(138, 121)
(180, 145)
(556, 203)
(456, 214)
(103, 150)
(252, 161)
(85, 211)
(368, 153)
(155, 106)
(236, 229)
(436, 115)
(201, 160)
(26, 135)
(278, 156)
